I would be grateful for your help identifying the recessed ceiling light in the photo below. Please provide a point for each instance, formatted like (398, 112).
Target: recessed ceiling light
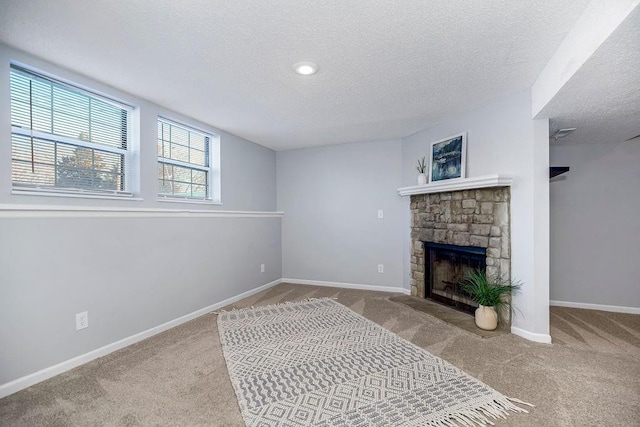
(305, 68)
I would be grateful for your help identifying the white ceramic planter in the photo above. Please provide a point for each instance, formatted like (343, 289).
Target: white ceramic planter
(422, 179)
(486, 318)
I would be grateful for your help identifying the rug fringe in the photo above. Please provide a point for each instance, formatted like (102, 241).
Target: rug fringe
(513, 399)
(482, 415)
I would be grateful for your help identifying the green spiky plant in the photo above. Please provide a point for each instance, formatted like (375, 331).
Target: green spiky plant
(422, 165)
(491, 291)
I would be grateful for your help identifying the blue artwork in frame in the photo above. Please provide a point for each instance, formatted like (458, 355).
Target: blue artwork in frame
(448, 158)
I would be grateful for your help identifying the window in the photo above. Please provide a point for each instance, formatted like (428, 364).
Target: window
(64, 138)
(184, 161)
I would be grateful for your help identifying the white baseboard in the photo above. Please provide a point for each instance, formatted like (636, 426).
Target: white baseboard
(348, 285)
(601, 307)
(531, 336)
(46, 373)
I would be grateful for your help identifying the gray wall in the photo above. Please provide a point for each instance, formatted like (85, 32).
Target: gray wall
(502, 138)
(595, 224)
(331, 196)
(131, 271)
(131, 274)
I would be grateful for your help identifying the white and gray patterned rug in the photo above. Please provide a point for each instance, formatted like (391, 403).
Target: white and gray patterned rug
(319, 363)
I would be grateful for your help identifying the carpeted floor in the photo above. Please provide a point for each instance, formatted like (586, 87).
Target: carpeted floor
(589, 376)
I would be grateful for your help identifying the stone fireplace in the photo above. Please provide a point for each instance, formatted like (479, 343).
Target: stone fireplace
(477, 219)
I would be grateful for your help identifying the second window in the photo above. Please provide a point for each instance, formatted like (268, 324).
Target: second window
(184, 169)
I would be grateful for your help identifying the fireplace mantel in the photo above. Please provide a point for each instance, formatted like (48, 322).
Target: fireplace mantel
(486, 181)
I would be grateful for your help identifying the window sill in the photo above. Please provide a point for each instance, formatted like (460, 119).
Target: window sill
(74, 195)
(189, 201)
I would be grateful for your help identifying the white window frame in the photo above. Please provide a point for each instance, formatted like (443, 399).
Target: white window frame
(130, 176)
(212, 171)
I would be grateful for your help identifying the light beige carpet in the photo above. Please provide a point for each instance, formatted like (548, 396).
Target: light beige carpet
(588, 377)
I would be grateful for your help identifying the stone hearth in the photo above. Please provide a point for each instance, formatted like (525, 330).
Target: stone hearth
(478, 217)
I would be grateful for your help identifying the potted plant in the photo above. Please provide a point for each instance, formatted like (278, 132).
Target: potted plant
(493, 296)
(422, 169)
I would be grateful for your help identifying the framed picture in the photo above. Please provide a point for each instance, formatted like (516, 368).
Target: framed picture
(448, 157)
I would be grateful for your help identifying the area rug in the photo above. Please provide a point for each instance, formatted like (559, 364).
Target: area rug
(317, 362)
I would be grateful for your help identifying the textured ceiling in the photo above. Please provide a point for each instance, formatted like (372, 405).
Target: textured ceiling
(387, 68)
(602, 100)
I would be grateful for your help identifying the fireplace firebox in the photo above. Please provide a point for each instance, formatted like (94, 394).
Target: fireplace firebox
(445, 267)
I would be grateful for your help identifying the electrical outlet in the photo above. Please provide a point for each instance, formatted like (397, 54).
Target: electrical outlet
(82, 320)
(261, 268)
(380, 268)
(380, 214)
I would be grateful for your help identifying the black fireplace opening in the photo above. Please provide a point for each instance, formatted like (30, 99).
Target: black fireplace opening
(445, 267)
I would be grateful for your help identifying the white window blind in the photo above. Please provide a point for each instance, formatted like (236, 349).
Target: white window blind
(64, 138)
(183, 161)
